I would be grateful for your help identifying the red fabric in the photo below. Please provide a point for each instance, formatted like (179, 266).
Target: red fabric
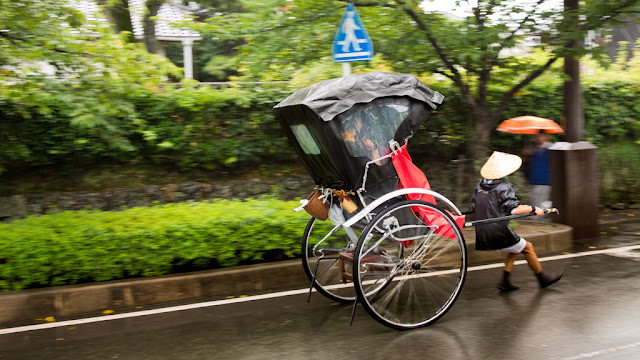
(410, 176)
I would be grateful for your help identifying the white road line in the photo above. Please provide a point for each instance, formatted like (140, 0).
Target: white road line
(603, 351)
(151, 312)
(268, 296)
(613, 251)
(629, 254)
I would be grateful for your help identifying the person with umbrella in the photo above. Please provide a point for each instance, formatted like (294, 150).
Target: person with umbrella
(538, 168)
(539, 172)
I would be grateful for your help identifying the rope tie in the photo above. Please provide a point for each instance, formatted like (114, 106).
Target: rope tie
(394, 146)
(326, 194)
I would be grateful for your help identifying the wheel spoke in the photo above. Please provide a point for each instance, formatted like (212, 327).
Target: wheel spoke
(418, 281)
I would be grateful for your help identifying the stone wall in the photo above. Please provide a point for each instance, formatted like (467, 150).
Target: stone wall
(455, 180)
(20, 206)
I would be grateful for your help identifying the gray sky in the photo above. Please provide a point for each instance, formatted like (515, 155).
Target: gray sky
(463, 9)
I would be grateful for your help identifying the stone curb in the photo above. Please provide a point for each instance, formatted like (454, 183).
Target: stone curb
(73, 300)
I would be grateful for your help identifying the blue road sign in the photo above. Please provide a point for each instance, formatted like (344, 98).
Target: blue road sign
(352, 43)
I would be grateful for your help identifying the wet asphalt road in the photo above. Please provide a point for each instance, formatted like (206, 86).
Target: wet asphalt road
(592, 313)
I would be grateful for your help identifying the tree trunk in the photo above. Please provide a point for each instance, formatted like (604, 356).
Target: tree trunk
(119, 17)
(152, 43)
(573, 110)
(482, 131)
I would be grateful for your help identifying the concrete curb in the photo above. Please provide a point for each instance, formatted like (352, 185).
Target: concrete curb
(73, 300)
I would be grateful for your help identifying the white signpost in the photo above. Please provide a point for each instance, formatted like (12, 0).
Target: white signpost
(352, 43)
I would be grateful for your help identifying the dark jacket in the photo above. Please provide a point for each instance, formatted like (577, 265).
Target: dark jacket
(491, 200)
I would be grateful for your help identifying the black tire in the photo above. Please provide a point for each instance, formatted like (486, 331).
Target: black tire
(412, 285)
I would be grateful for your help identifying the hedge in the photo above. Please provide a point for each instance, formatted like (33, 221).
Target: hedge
(89, 246)
(184, 127)
(201, 127)
(619, 171)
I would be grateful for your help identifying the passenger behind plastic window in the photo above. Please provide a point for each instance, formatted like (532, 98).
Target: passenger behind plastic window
(367, 132)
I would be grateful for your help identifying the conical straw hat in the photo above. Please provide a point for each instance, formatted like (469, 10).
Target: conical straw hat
(500, 165)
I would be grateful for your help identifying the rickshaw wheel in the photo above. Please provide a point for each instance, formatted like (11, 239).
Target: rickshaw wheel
(328, 265)
(407, 273)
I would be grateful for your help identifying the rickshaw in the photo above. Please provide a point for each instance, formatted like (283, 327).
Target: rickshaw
(390, 243)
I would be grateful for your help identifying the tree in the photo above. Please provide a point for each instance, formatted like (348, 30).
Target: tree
(154, 45)
(119, 16)
(55, 64)
(215, 56)
(118, 13)
(470, 51)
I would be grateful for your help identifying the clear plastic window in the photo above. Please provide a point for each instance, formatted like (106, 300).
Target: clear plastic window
(367, 132)
(305, 139)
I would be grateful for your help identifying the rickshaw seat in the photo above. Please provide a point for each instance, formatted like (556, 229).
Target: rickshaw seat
(410, 176)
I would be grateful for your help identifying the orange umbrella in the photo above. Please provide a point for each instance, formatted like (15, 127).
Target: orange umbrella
(530, 125)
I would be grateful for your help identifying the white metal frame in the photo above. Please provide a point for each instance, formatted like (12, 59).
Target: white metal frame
(370, 207)
(364, 212)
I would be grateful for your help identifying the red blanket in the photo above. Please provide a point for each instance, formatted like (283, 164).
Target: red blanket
(411, 176)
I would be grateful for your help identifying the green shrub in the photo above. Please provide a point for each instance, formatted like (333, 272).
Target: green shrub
(191, 126)
(184, 127)
(619, 173)
(87, 246)
(203, 127)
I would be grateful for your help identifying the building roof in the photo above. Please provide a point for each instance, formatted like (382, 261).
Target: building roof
(171, 12)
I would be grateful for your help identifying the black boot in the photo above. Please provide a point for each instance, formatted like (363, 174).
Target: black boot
(547, 280)
(505, 285)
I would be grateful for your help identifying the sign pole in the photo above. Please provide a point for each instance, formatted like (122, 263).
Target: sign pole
(346, 68)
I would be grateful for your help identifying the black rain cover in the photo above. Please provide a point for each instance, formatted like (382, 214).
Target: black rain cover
(338, 125)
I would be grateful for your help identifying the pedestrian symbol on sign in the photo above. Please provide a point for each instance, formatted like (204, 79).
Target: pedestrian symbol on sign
(352, 43)
(349, 27)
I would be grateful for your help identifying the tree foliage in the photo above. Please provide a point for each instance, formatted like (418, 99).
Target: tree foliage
(54, 64)
(118, 13)
(213, 57)
(73, 92)
(471, 51)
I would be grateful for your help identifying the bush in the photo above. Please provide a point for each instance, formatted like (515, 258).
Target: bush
(192, 126)
(184, 127)
(88, 246)
(202, 127)
(619, 173)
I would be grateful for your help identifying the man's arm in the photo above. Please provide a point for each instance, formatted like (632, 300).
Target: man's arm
(523, 209)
